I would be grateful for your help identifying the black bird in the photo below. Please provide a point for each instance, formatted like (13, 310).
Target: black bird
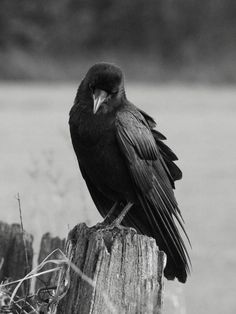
(126, 165)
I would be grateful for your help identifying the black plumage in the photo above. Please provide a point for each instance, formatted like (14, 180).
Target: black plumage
(123, 159)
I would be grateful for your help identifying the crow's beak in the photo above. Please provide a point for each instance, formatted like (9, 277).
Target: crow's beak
(99, 97)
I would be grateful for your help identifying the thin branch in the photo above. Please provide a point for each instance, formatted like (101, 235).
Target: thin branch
(27, 284)
(23, 232)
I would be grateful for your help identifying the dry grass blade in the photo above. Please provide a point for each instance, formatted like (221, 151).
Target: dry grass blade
(34, 272)
(30, 276)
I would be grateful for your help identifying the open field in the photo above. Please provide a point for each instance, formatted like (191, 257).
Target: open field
(37, 161)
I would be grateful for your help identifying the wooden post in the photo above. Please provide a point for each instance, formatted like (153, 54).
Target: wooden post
(13, 253)
(126, 271)
(48, 245)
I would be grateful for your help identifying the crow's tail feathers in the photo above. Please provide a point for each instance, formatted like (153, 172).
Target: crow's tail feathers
(169, 240)
(153, 219)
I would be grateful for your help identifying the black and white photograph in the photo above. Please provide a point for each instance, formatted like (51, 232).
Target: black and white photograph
(117, 157)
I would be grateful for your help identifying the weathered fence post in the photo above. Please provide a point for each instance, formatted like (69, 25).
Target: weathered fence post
(48, 245)
(126, 271)
(13, 251)
(111, 270)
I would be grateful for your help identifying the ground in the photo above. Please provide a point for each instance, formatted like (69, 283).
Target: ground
(37, 160)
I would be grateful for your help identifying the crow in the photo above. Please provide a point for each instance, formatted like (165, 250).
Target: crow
(129, 171)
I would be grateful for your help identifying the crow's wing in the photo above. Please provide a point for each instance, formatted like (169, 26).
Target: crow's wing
(153, 186)
(174, 173)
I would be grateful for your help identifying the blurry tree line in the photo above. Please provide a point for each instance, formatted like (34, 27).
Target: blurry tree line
(168, 28)
(173, 31)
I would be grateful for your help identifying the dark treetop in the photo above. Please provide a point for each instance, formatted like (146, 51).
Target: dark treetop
(123, 159)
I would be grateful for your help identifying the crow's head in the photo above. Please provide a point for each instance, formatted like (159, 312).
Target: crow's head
(105, 82)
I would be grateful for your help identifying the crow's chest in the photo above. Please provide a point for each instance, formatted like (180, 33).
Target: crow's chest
(92, 130)
(99, 151)
(95, 142)
(99, 155)
(106, 168)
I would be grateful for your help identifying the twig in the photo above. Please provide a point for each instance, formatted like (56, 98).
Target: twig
(23, 232)
(27, 284)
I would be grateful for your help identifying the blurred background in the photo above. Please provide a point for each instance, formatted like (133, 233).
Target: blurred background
(165, 39)
(180, 67)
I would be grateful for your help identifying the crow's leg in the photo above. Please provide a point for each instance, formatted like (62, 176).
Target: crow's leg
(118, 220)
(107, 220)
